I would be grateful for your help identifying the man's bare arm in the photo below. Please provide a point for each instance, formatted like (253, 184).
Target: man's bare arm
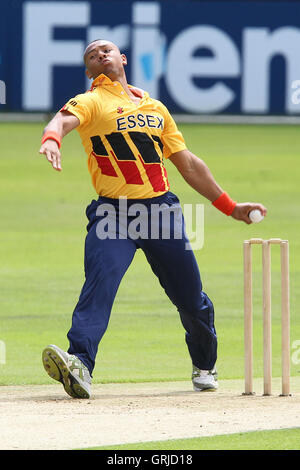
(62, 123)
(197, 174)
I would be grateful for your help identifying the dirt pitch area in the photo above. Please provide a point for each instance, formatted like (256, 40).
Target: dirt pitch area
(44, 417)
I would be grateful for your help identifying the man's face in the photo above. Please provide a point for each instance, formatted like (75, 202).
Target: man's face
(104, 57)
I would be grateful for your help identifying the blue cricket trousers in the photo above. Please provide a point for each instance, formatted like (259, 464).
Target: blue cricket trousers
(107, 259)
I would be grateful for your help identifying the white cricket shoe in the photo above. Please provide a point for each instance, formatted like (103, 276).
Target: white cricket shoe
(69, 370)
(204, 380)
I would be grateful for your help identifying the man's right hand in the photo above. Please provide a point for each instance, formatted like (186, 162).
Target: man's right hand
(51, 150)
(62, 123)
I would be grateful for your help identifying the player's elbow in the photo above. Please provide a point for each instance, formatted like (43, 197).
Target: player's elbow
(193, 164)
(182, 161)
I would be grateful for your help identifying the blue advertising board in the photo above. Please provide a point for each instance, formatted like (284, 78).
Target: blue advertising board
(197, 57)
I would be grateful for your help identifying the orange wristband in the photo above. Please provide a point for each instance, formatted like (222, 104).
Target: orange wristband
(225, 204)
(52, 135)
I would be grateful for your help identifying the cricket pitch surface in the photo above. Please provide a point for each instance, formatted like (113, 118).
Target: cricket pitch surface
(37, 417)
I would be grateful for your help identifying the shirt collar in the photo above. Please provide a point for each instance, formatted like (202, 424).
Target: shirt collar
(103, 80)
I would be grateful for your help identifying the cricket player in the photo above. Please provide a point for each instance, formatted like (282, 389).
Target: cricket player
(127, 135)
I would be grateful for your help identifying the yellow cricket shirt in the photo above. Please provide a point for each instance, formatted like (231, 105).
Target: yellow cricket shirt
(125, 142)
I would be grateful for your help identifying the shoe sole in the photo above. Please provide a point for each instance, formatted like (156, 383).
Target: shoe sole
(56, 367)
(211, 389)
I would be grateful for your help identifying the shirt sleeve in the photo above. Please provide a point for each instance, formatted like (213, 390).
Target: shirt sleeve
(82, 106)
(171, 137)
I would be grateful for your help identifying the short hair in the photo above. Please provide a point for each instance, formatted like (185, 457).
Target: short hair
(95, 40)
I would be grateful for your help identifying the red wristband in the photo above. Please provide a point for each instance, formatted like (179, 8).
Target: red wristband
(52, 135)
(225, 204)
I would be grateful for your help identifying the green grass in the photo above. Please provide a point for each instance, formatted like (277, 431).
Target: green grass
(282, 439)
(41, 252)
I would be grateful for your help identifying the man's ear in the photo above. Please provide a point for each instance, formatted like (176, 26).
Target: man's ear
(88, 74)
(124, 59)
